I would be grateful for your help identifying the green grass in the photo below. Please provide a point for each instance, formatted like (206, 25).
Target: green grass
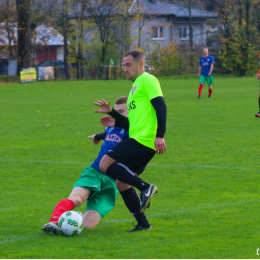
(208, 180)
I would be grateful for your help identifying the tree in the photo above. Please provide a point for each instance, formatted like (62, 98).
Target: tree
(7, 19)
(122, 38)
(80, 39)
(188, 4)
(103, 12)
(122, 26)
(240, 48)
(166, 60)
(65, 29)
(41, 12)
(23, 51)
(140, 18)
(30, 13)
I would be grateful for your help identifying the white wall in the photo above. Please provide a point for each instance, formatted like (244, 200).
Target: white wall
(60, 53)
(170, 32)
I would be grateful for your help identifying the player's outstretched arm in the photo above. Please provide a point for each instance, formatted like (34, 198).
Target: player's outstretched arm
(94, 140)
(104, 106)
(108, 121)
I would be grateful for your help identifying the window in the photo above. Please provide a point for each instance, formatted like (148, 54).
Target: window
(75, 7)
(157, 32)
(184, 32)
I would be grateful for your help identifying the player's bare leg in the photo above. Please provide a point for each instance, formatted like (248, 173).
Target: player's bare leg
(91, 218)
(105, 162)
(77, 197)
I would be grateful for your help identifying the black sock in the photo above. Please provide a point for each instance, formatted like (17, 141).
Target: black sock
(119, 171)
(132, 202)
(259, 103)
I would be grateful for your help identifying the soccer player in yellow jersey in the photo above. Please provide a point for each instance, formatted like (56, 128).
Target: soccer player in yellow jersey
(146, 123)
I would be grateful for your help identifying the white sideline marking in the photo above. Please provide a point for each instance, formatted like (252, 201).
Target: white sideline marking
(205, 166)
(151, 164)
(153, 215)
(188, 210)
(17, 238)
(38, 161)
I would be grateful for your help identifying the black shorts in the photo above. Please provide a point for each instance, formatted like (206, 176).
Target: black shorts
(132, 154)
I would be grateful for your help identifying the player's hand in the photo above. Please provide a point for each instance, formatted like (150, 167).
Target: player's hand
(198, 75)
(108, 121)
(258, 76)
(94, 140)
(104, 106)
(209, 74)
(160, 145)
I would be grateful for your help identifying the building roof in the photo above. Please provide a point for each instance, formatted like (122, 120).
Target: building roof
(153, 7)
(44, 35)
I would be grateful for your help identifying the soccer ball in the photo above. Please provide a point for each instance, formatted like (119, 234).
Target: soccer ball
(70, 223)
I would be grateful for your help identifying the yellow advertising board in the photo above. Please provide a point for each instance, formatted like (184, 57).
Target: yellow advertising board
(28, 75)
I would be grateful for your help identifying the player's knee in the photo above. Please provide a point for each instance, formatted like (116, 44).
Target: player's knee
(103, 167)
(78, 201)
(121, 186)
(105, 162)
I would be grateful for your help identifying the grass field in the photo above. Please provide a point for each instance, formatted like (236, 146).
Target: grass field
(208, 180)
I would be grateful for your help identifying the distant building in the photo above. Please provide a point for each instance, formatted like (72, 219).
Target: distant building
(47, 44)
(167, 22)
(162, 23)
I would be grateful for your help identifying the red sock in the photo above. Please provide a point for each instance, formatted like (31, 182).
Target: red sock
(210, 91)
(200, 89)
(61, 207)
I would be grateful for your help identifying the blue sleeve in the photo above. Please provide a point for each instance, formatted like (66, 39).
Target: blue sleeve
(125, 136)
(212, 60)
(200, 63)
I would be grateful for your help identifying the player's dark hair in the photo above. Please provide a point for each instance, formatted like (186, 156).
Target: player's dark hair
(121, 100)
(137, 55)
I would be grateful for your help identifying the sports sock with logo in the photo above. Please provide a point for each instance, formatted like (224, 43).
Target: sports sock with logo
(132, 202)
(210, 91)
(121, 172)
(61, 207)
(200, 89)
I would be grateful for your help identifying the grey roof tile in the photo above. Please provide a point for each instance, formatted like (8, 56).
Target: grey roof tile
(162, 8)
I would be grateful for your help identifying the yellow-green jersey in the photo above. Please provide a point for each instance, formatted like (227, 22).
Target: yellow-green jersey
(141, 113)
